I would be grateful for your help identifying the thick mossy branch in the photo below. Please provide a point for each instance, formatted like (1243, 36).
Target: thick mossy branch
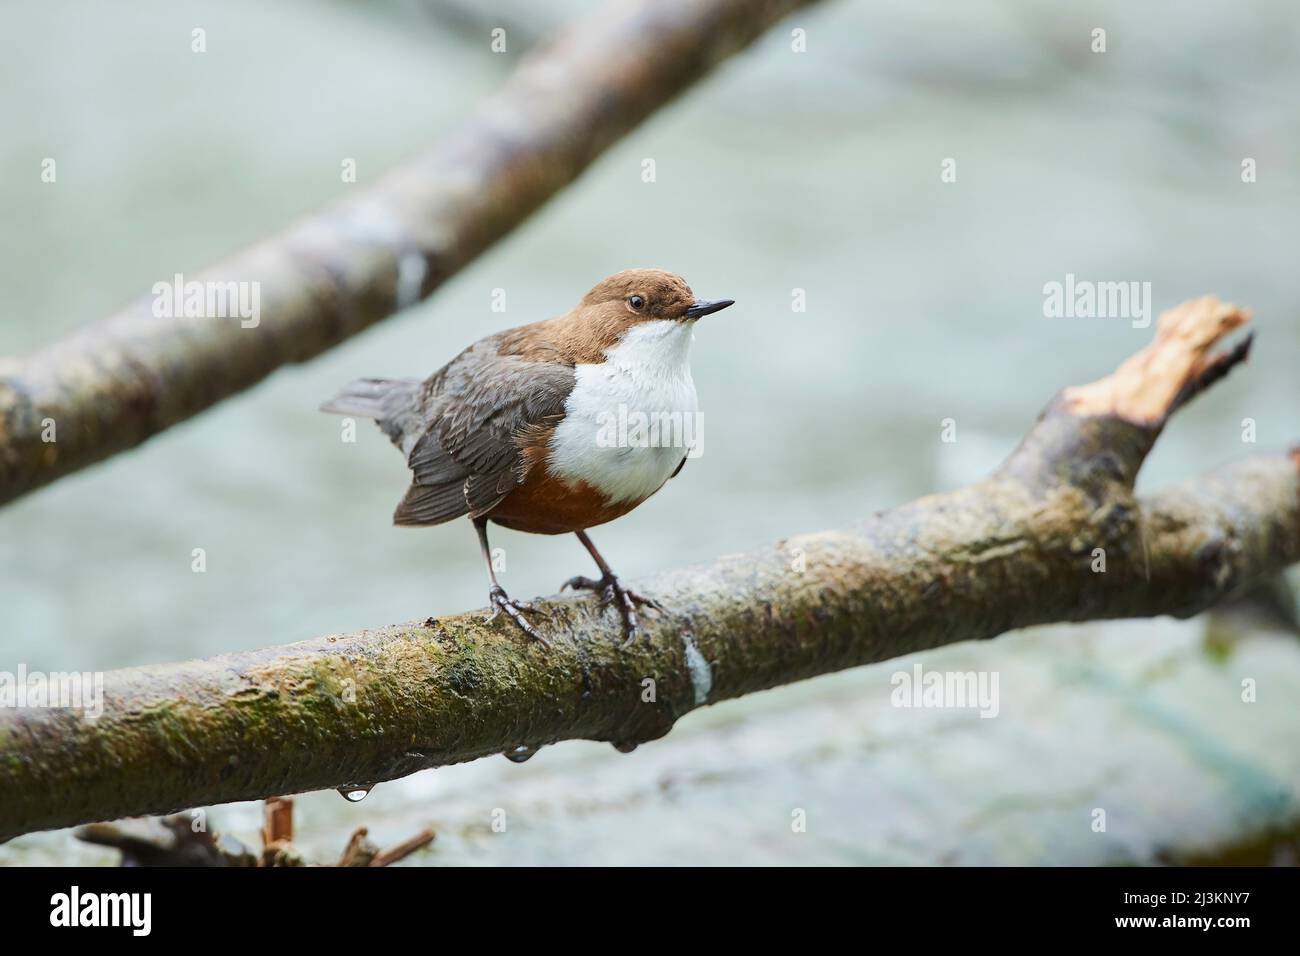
(1024, 547)
(122, 380)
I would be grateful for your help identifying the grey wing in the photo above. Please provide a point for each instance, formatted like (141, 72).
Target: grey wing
(470, 456)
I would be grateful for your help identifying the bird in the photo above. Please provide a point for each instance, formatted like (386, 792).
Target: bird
(516, 429)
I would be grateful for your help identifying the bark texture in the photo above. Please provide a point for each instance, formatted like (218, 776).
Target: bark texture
(126, 378)
(1020, 548)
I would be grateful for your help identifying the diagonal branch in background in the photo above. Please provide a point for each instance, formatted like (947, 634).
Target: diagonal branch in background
(122, 380)
(1017, 549)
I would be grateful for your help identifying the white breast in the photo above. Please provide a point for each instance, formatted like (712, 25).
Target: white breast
(646, 378)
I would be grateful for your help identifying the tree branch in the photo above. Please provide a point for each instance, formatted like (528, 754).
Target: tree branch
(1020, 548)
(122, 380)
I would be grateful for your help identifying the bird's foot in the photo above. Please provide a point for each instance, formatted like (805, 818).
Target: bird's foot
(501, 601)
(613, 592)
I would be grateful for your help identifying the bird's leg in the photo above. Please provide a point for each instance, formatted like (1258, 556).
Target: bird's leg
(611, 590)
(497, 596)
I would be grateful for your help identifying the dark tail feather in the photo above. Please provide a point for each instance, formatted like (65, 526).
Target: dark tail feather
(392, 402)
(376, 398)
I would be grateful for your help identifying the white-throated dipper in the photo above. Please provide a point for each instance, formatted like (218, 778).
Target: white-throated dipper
(515, 428)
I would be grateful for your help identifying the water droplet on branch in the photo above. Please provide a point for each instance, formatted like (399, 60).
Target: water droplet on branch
(521, 753)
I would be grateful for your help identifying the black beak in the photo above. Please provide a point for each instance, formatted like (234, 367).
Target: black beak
(703, 307)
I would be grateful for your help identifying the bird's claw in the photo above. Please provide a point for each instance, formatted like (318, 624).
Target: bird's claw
(612, 592)
(501, 601)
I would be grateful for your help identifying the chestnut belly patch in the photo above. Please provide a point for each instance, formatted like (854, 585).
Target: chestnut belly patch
(544, 504)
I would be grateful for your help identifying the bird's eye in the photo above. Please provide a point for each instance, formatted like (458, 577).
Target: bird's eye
(636, 301)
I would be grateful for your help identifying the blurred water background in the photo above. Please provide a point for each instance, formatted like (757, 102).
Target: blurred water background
(817, 171)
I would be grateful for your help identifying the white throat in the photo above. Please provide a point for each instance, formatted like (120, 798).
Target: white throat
(646, 378)
(662, 347)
